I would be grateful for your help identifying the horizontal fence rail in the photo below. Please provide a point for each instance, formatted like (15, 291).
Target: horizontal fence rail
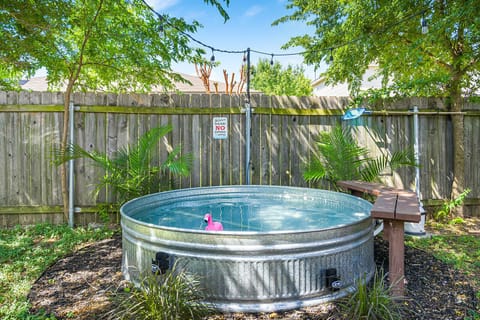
(283, 136)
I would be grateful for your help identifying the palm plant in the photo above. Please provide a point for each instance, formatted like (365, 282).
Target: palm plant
(341, 158)
(130, 171)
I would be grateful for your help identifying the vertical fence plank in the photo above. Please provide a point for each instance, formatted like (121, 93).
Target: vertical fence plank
(224, 145)
(34, 142)
(237, 143)
(215, 145)
(12, 159)
(301, 150)
(192, 136)
(256, 140)
(472, 161)
(4, 147)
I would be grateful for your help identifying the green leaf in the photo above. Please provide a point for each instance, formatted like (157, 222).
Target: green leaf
(132, 171)
(340, 157)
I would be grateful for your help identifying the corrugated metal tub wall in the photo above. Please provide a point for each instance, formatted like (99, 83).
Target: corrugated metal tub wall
(281, 247)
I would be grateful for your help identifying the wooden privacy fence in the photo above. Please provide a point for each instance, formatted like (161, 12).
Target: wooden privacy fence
(283, 133)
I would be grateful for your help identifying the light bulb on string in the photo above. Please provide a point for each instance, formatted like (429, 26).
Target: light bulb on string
(331, 55)
(212, 58)
(424, 25)
(161, 28)
(271, 60)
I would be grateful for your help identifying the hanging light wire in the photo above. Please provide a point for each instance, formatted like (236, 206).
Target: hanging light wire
(298, 53)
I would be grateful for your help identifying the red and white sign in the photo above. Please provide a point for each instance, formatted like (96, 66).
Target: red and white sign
(220, 128)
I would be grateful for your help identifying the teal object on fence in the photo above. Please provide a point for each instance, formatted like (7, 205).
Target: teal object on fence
(355, 113)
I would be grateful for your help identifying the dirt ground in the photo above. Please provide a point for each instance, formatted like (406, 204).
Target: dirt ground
(82, 285)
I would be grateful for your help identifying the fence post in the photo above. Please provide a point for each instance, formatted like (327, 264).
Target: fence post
(248, 119)
(71, 167)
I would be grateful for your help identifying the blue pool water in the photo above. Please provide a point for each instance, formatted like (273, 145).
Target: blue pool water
(257, 212)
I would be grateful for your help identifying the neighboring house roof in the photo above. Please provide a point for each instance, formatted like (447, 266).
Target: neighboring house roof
(320, 89)
(196, 86)
(35, 84)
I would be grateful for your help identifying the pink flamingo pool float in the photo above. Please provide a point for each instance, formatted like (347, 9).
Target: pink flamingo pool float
(212, 225)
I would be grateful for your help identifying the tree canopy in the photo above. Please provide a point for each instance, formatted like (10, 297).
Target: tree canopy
(273, 79)
(389, 33)
(112, 45)
(423, 48)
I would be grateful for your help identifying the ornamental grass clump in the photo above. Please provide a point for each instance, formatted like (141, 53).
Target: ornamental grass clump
(371, 301)
(172, 295)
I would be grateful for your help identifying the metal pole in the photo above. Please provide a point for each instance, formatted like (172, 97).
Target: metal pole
(71, 168)
(248, 114)
(416, 151)
(417, 229)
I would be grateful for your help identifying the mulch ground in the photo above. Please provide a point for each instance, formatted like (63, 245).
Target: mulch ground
(83, 286)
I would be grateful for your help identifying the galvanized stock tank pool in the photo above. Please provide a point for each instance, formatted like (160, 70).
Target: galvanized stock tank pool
(281, 247)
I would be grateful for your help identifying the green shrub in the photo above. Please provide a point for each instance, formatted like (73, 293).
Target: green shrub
(173, 295)
(449, 206)
(371, 301)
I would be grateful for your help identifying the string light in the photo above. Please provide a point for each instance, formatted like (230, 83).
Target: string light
(161, 29)
(271, 60)
(212, 58)
(424, 25)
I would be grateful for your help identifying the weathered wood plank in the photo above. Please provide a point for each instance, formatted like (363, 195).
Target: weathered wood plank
(256, 149)
(216, 160)
(363, 187)
(12, 169)
(384, 206)
(301, 141)
(4, 143)
(81, 166)
(57, 126)
(192, 136)
(33, 155)
(237, 145)
(407, 207)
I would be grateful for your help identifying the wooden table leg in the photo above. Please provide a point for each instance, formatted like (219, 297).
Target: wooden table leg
(396, 256)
